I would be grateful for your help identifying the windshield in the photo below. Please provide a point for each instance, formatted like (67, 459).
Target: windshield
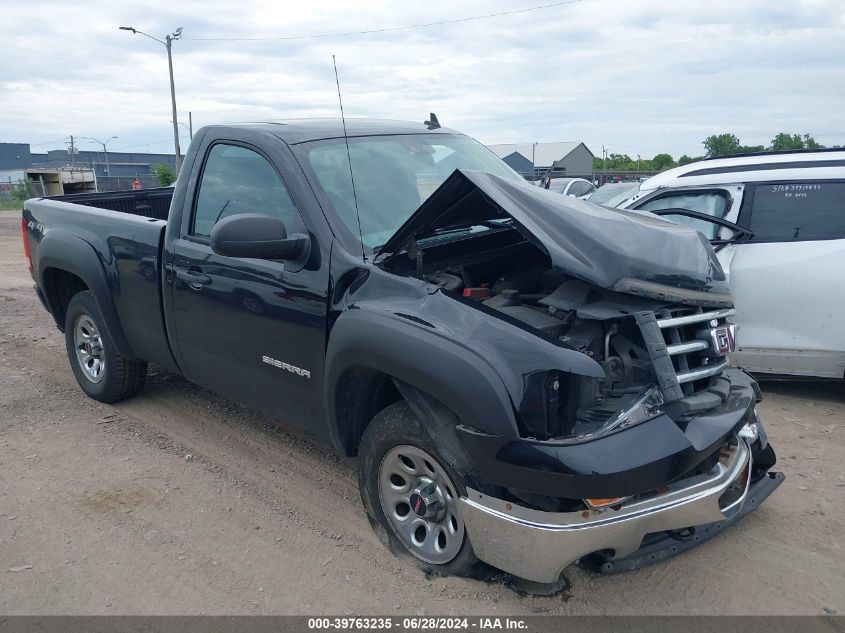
(614, 193)
(393, 176)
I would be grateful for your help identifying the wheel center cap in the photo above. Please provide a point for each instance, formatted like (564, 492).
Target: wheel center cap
(426, 500)
(418, 505)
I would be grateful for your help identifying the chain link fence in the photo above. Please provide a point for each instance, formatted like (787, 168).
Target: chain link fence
(598, 178)
(12, 191)
(124, 183)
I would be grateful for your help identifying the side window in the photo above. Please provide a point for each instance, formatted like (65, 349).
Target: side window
(238, 180)
(798, 211)
(584, 188)
(578, 189)
(713, 203)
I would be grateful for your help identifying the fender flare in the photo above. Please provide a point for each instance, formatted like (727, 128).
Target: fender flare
(62, 251)
(409, 352)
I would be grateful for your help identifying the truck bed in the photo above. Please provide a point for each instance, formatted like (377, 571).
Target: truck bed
(149, 203)
(112, 242)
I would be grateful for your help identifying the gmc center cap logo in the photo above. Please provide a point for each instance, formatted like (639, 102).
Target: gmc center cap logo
(418, 504)
(724, 339)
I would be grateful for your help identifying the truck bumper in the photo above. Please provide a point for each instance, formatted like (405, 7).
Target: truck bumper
(538, 545)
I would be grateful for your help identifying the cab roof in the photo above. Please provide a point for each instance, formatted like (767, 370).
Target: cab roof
(294, 131)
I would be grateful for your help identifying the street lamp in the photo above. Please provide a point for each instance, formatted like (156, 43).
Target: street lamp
(168, 42)
(105, 150)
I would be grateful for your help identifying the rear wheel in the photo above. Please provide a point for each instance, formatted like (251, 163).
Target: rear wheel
(99, 368)
(412, 495)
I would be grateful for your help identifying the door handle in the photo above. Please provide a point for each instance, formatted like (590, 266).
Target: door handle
(194, 278)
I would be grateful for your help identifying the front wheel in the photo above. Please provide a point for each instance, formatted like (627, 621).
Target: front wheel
(412, 495)
(99, 368)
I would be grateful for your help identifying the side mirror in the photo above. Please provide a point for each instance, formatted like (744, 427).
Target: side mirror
(256, 236)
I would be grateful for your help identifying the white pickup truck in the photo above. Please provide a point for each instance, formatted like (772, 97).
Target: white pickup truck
(777, 221)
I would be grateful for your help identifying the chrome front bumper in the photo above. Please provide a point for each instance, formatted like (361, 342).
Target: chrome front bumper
(538, 545)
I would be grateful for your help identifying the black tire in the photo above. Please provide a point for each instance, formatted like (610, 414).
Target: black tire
(396, 426)
(120, 377)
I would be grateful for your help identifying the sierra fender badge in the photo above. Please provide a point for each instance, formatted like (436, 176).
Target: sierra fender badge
(287, 367)
(724, 339)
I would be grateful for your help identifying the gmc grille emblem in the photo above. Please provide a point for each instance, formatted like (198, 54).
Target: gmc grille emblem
(724, 339)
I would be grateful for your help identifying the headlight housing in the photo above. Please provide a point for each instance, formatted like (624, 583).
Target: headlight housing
(569, 408)
(647, 406)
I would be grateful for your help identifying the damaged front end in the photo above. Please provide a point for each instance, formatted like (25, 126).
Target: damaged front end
(609, 331)
(638, 297)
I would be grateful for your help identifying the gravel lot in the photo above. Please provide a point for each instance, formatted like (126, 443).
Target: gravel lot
(181, 502)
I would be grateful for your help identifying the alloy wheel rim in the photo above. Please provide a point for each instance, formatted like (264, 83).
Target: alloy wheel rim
(420, 502)
(89, 348)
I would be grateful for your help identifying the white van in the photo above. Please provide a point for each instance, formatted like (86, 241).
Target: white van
(777, 221)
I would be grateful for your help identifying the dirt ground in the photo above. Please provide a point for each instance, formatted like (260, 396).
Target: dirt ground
(181, 502)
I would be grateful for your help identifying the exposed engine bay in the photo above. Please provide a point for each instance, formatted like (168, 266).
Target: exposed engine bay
(520, 287)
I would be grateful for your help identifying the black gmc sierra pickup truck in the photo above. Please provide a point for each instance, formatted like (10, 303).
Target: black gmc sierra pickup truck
(528, 380)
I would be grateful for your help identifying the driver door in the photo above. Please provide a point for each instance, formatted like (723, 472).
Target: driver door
(250, 329)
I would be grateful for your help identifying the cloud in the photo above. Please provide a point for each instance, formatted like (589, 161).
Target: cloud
(636, 76)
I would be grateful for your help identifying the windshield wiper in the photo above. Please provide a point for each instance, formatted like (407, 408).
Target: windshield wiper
(740, 233)
(459, 228)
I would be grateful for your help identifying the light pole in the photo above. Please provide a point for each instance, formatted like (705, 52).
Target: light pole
(105, 150)
(168, 42)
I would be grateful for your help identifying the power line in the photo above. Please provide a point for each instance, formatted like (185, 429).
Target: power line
(58, 140)
(118, 149)
(386, 29)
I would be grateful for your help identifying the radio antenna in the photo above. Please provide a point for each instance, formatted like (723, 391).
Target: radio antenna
(349, 159)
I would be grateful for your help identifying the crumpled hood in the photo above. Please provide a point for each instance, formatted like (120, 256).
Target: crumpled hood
(623, 250)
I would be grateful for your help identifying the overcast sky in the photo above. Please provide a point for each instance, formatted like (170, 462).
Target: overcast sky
(641, 76)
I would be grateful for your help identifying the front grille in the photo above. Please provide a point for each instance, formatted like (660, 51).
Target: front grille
(681, 348)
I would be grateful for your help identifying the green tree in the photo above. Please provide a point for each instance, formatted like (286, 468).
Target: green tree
(661, 162)
(721, 145)
(787, 141)
(618, 162)
(165, 174)
(811, 143)
(615, 162)
(686, 160)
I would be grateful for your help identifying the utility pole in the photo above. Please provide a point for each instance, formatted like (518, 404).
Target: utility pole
(72, 152)
(106, 154)
(191, 124)
(168, 44)
(604, 162)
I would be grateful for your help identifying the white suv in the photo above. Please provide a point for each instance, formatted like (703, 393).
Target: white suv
(777, 221)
